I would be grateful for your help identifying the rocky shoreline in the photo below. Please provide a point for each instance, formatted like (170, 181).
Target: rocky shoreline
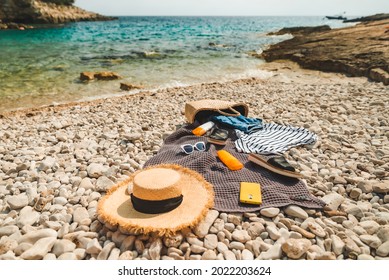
(58, 161)
(361, 50)
(22, 13)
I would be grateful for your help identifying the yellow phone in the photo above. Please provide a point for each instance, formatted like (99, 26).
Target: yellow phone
(250, 193)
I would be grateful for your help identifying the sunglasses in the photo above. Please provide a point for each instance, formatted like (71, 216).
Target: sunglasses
(189, 148)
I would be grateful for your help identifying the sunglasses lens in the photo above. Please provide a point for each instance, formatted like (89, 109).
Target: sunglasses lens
(187, 149)
(200, 146)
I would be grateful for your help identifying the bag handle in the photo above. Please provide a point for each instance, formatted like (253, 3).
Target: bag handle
(234, 114)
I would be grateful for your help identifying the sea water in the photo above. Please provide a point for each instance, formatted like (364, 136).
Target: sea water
(42, 66)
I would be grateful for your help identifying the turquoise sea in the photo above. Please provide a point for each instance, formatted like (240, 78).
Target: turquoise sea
(41, 66)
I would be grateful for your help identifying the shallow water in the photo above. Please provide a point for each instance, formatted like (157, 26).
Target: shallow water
(42, 66)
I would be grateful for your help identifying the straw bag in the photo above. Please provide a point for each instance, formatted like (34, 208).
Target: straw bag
(201, 110)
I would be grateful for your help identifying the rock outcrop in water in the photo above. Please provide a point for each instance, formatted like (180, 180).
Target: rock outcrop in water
(34, 11)
(361, 50)
(369, 18)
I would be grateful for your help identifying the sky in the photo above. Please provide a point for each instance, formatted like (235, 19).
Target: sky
(235, 7)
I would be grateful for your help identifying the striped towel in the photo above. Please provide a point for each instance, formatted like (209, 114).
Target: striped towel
(273, 139)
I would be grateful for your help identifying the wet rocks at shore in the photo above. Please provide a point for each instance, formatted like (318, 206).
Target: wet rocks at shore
(33, 12)
(57, 162)
(104, 76)
(13, 25)
(360, 50)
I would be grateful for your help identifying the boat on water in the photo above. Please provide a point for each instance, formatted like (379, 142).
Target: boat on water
(336, 17)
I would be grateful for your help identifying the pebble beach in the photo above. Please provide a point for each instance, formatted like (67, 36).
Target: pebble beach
(56, 163)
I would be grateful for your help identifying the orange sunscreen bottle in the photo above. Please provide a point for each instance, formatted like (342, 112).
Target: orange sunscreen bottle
(229, 160)
(202, 129)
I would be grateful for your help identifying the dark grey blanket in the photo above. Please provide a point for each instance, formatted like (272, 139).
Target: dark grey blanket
(277, 190)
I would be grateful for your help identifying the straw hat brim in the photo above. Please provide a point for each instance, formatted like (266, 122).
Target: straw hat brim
(115, 208)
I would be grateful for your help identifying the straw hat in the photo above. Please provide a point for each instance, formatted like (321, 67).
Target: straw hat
(162, 198)
(205, 107)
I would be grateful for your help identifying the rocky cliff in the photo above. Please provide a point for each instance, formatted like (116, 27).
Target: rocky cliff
(361, 50)
(34, 11)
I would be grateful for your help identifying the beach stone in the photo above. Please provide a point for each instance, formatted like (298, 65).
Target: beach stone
(93, 247)
(80, 253)
(210, 241)
(302, 231)
(86, 184)
(193, 240)
(241, 236)
(33, 236)
(236, 219)
(95, 170)
(201, 230)
(296, 211)
(371, 227)
(63, 246)
(68, 256)
(325, 256)
(7, 244)
(106, 76)
(60, 200)
(139, 246)
(174, 251)
(21, 248)
(197, 249)
(18, 201)
(354, 210)
(39, 249)
(273, 232)
(365, 257)
(382, 233)
(270, 212)
(103, 255)
(382, 187)
(133, 136)
(155, 249)
(339, 180)
(87, 76)
(8, 230)
(247, 255)
(365, 186)
(255, 229)
(228, 255)
(127, 255)
(49, 257)
(128, 86)
(209, 255)
(236, 245)
(173, 240)
(103, 184)
(81, 216)
(221, 247)
(337, 244)
(47, 163)
(355, 193)
(274, 253)
(27, 216)
(371, 240)
(333, 200)
(351, 247)
(229, 226)
(382, 218)
(316, 229)
(295, 248)
(383, 249)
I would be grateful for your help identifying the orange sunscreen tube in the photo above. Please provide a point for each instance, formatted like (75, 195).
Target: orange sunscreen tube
(229, 160)
(202, 129)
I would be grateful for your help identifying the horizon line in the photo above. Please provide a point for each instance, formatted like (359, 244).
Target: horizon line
(224, 15)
